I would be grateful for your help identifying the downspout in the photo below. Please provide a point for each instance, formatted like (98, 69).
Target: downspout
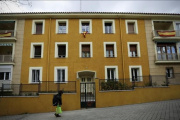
(48, 46)
(122, 55)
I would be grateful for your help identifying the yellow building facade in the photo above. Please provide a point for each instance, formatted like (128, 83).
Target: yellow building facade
(77, 66)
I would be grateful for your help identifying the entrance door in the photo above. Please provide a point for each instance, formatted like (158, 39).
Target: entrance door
(87, 92)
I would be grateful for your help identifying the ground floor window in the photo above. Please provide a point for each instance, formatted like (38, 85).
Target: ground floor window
(169, 72)
(5, 75)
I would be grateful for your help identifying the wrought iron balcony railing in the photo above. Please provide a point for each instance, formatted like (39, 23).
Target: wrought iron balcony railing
(6, 58)
(168, 57)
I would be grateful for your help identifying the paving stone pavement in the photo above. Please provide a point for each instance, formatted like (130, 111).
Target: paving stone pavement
(163, 110)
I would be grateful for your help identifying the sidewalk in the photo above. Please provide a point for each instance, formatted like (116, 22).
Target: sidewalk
(163, 110)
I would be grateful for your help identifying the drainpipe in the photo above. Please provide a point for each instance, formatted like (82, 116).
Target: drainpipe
(122, 55)
(48, 46)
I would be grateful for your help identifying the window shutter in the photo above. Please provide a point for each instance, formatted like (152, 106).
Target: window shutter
(130, 27)
(62, 50)
(109, 47)
(62, 24)
(38, 28)
(85, 24)
(108, 24)
(86, 48)
(133, 48)
(37, 51)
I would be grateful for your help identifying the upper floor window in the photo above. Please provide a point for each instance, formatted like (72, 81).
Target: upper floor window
(61, 49)
(108, 26)
(85, 49)
(38, 26)
(110, 49)
(36, 50)
(133, 49)
(7, 28)
(6, 72)
(5, 75)
(85, 25)
(131, 27)
(61, 26)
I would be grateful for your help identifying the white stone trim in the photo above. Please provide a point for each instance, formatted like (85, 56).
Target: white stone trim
(110, 43)
(138, 48)
(77, 74)
(34, 26)
(66, 73)
(56, 48)
(116, 70)
(109, 21)
(85, 43)
(135, 27)
(61, 21)
(85, 20)
(32, 48)
(30, 73)
(8, 66)
(140, 71)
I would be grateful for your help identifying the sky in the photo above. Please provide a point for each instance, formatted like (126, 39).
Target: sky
(152, 6)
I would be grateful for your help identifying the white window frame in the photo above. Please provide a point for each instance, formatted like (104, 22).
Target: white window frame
(56, 48)
(55, 73)
(135, 26)
(109, 21)
(85, 20)
(137, 47)
(34, 26)
(32, 49)
(140, 72)
(116, 72)
(11, 73)
(85, 43)
(30, 73)
(110, 43)
(61, 21)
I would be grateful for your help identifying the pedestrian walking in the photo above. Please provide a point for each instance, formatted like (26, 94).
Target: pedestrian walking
(57, 101)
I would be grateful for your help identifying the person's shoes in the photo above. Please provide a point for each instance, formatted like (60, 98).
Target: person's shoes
(57, 115)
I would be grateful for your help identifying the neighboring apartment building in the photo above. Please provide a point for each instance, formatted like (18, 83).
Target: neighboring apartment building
(68, 46)
(163, 36)
(11, 44)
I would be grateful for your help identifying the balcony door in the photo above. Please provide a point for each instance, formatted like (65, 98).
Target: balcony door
(166, 51)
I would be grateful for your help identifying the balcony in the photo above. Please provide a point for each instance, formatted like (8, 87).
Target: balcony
(167, 35)
(6, 59)
(8, 35)
(167, 58)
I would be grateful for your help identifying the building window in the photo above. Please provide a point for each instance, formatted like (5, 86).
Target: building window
(133, 49)
(131, 27)
(166, 51)
(110, 49)
(169, 72)
(85, 25)
(61, 74)
(111, 72)
(85, 49)
(61, 49)
(5, 75)
(36, 50)
(35, 74)
(61, 26)
(38, 26)
(135, 73)
(108, 26)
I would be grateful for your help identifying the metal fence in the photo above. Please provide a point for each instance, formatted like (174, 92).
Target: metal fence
(139, 81)
(36, 88)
